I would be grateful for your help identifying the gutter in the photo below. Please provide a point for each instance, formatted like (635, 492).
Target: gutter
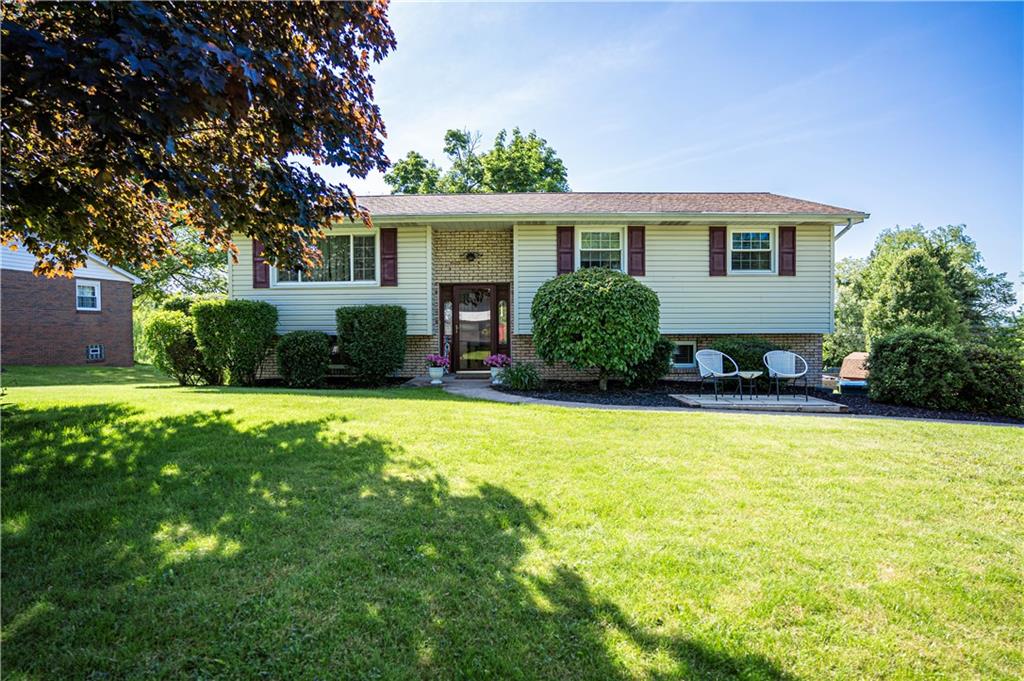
(847, 228)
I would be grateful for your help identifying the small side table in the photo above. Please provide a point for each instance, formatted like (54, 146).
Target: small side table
(749, 377)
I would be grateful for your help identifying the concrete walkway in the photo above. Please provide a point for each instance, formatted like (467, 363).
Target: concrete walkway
(480, 389)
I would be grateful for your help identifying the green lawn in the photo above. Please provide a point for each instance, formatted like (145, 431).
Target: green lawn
(150, 530)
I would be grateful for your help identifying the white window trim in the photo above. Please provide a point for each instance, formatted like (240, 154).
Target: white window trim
(99, 299)
(577, 265)
(357, 283)
(691, 365)
(772, 239)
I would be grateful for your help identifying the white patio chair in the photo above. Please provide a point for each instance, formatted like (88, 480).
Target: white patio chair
(712, 367)
(785, 366)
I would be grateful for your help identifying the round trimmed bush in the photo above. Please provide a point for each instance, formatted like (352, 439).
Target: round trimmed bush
(371, 340)
(172, 345)
(917, 366)
(302, 358)
(994, 383)
(648, 372)
(235, 336)
(595, 318)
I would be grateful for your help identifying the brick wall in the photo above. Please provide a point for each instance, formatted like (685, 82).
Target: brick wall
(40, 324)
(806, 345)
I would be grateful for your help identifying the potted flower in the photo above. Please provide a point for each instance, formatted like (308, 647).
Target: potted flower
(497, 363)
(436, 365)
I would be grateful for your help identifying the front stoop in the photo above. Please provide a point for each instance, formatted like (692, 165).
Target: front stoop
(790, 403)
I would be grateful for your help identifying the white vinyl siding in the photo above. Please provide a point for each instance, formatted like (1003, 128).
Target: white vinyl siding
(23, 261)
(312, 307)
(693, 302)
(534, 260)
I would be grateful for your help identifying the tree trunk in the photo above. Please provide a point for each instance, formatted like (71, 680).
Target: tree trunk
(602, 381)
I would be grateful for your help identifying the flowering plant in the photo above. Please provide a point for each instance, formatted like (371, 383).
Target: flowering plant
(437, 361)
(498, 361)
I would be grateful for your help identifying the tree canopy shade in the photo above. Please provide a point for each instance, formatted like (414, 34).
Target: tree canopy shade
(124, 120)
(524, 163)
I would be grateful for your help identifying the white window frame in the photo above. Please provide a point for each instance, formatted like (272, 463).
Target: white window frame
(365, 283)
(772, 240)
(691, 365)
(99, 300)
(579, 245)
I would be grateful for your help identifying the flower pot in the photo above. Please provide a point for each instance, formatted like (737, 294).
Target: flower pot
(496, 375)
(435, 375)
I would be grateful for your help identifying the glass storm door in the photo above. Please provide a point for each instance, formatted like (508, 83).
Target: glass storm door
(474, 327)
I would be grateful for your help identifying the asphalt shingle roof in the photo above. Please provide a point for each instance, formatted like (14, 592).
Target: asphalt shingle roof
(594, 203)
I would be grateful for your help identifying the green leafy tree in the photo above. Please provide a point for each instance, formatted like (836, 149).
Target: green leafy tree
(596, 319)
(982, 297)
(124, 120)
(913, 293)
(194, 269)
(520, 163)
(849, 313)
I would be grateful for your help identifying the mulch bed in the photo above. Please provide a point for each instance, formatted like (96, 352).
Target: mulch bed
(658, 396)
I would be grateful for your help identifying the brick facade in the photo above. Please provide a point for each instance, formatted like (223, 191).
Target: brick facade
(40, 324)
(807, 345)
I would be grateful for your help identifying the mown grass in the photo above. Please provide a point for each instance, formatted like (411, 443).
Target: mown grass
(151, 530)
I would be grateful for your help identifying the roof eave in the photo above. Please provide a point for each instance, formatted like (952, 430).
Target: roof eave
(833, 218)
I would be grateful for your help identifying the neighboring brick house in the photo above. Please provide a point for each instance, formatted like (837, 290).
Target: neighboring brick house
(466, 267)
(86, 319)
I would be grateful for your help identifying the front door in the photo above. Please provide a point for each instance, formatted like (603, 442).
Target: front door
(475, 336)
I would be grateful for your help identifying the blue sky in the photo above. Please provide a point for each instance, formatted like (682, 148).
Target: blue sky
(912, 112)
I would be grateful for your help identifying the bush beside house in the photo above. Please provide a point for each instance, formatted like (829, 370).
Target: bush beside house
(371, 339)
(651, 370)
(235, 336)
(303, 357)
(595, 319)
(171, 344)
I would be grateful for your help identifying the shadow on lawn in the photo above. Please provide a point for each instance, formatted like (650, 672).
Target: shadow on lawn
(192, 546)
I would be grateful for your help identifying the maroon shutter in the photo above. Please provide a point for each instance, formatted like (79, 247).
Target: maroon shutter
(389, 256)
(565, 236)
(260, 268)
(637, 250)
(787, 251)
(716, 251)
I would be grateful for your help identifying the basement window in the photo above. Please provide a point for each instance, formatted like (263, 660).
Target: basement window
(94, 353)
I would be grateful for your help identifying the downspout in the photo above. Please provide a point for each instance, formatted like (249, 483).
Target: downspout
(844, 230)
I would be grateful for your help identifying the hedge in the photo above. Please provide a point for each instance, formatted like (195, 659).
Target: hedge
(371, 340)
(235, 336)
(302, 358)
(917, 366)
(169, 338)
(994, 381)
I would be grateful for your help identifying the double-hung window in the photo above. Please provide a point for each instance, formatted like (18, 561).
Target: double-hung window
(345, 258)
(601, 248)
(751, 250)
(87, 295)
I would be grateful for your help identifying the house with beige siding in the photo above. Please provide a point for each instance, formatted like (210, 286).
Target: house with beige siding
(466, 267)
